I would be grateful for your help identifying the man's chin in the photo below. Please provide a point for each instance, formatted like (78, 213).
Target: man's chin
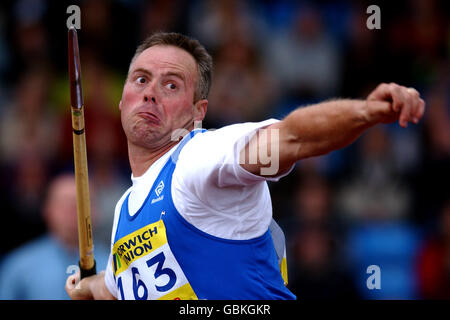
(150, 138)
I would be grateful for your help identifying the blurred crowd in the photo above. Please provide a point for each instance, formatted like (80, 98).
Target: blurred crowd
(384, 200)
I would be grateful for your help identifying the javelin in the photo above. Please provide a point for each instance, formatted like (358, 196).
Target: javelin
(86, 246)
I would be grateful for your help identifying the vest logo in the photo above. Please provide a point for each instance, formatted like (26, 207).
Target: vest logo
(158, 190)
(157, 199)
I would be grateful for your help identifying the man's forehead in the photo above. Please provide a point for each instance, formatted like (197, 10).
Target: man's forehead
(166, 57)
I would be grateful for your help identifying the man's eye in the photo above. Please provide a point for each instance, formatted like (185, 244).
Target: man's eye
(171, 86)
(141, 80)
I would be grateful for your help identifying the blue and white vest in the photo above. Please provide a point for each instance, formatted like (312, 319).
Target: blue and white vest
(157, 254)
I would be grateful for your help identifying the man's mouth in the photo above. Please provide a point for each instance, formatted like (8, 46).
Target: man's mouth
(150, 117)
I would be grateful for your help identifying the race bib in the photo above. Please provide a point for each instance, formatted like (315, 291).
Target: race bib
(146, 269)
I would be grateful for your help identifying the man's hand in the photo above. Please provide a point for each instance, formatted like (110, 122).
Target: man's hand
(405, 104)
(89, 288)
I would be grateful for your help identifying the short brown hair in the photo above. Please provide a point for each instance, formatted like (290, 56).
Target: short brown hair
(193, 47)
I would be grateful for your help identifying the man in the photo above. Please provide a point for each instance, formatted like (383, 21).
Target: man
(195, 223)
(51, 254)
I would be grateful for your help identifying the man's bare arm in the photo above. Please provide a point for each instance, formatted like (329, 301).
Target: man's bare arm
(324, 127)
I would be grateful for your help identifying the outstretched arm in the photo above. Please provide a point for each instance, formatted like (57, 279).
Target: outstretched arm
(324, 127)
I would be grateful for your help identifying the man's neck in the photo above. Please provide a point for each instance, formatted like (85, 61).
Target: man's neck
(142, 158)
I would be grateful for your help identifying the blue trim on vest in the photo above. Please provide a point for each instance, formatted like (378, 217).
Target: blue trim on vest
(158, 178)
(174, 157)
(124, 212)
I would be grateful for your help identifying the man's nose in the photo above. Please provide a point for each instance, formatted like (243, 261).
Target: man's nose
(150, 93)
(152, 98)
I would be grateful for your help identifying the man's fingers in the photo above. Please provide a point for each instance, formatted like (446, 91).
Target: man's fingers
(406, 107)
(409, 103)
(421, 109)
(413, 101)
(75, 288)
(72, 281)
(405, 103)
(381, 92)
(413, 92)
(419, 105)
(398, 98)
(391, 92)
(401, 102)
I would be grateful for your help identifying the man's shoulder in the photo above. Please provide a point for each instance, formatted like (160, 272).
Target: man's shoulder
(240, 128)
(212, 156)
(219, 139)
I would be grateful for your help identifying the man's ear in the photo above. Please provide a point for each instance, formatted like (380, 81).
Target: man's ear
(120, 105)
(200, 108)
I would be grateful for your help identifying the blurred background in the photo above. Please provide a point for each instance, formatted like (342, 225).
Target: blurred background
(384, 200)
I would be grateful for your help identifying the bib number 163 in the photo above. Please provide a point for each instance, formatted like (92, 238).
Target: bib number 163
(140, 289)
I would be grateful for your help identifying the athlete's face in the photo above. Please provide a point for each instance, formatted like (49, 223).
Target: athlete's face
(158, 96)
(60, 210)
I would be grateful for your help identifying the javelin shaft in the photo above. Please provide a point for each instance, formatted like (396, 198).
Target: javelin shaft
(86, 246)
